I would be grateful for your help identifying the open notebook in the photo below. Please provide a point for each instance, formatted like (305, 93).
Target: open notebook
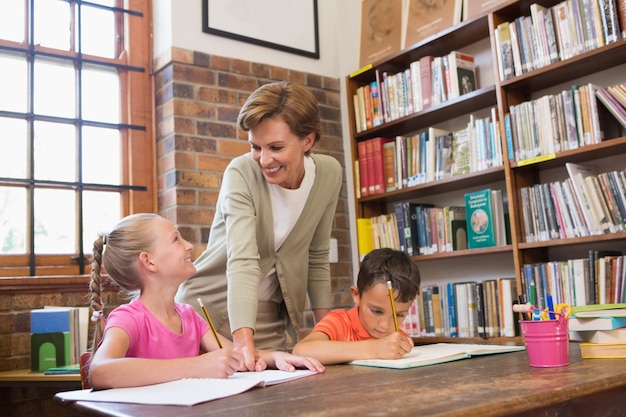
(188, 391)
(437, 353)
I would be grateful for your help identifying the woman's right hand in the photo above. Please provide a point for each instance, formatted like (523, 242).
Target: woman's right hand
(243, 341)
(219, 363)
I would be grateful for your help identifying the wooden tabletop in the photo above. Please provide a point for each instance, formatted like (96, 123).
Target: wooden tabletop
(493, 385)
(26, 377)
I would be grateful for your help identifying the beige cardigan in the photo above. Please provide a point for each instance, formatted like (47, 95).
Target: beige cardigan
(240, 250)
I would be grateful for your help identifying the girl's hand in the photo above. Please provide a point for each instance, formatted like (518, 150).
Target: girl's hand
(219, 363)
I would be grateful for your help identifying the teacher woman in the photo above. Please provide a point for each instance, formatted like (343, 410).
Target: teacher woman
(269, 242)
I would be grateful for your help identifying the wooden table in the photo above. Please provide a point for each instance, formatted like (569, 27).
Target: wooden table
(25, 377)
(493, 385)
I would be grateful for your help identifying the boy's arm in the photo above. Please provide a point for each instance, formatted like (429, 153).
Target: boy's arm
(330, 352)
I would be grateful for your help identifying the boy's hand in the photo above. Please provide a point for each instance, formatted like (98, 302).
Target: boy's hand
(393, 346)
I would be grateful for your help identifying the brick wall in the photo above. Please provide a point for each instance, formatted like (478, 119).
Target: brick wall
(198, 97)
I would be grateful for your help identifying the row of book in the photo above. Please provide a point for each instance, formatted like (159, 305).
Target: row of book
(58, 336)
(614, 99)
(423, 229)
(387, 164)
(551, 34)
(464, 309)
(587, 203)
(553, 123)
(598, 279)
(429, 81)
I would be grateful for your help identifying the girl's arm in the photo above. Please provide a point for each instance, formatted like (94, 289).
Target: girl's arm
(110, 368)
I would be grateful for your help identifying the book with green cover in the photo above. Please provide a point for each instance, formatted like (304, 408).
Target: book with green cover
(433, 354)
(479, 215)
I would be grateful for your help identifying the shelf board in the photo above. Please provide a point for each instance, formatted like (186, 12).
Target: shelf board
(562, 71)
(603, 149)
(465, 252)
(586, 240)
(441, 186)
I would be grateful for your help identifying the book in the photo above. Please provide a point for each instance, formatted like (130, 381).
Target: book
(480, 221)
(381, 30)
(586, 197)
(63, 370)
(187, 391)
(365, 236)
(619, 310)
(377, 163)
(599, 336)
(596, 323)
(602, 350)
(54, 337)
(437, 353)
(474, 8)
(425, 19)
(462, 74)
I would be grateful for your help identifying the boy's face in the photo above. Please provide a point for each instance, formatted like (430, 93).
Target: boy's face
(375, 310)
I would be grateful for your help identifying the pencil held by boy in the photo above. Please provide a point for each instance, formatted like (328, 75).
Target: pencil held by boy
(369, 330)
(154, 339)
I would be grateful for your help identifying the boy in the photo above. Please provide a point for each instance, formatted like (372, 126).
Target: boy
(367, 331)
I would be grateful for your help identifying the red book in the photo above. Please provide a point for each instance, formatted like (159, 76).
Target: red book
(426, 80)
(363, 169)
(378, 164)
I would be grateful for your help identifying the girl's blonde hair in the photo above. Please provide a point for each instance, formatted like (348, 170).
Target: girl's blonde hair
(118, 252)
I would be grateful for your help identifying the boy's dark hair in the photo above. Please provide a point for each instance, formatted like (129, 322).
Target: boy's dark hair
(385, 264)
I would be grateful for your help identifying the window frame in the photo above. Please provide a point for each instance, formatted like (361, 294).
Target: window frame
(139, 149)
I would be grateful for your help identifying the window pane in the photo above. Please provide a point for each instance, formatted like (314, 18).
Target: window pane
(55, 88)
(55, 213)
(12, 220)
(13, 85)
(101, 95)
(52, 24)
(55, 151)
(13, 148)
(12, 20)
(98, 32)
(101, 212)
(101, 156)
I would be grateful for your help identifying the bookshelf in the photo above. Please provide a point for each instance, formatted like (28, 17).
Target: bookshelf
(495, 96)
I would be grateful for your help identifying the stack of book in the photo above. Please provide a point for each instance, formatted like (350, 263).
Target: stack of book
(601, 329)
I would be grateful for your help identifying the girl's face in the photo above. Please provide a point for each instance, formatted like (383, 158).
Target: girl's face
(375, 310)
(279, 153)
(171, 253)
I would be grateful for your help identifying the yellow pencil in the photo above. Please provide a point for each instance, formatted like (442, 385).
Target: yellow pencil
(393, 305)
(208, 319)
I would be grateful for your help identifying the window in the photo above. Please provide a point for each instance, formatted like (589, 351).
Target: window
(76, 148)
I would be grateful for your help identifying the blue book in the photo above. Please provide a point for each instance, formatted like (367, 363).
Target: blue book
(50, 320)
(454, 331)
(577, 324)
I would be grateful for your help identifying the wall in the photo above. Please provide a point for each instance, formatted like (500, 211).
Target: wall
(339, 28)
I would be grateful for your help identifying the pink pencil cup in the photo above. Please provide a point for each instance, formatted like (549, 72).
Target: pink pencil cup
(547, 342)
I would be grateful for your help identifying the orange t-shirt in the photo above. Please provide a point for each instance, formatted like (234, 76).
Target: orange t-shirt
(343, 325)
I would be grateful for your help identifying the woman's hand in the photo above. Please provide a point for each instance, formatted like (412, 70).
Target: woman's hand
(243, 341)
(288, 362)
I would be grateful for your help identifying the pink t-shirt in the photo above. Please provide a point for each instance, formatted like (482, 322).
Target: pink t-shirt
(150, 339)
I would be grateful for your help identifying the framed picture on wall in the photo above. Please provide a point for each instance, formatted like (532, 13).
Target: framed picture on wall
(286, 25)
